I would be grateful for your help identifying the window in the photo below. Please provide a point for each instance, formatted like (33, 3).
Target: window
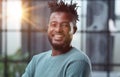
(12, 60)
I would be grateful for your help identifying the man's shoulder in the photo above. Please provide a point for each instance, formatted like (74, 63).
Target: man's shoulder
(79, 55)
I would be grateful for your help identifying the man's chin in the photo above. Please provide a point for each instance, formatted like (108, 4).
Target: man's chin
(58, 46)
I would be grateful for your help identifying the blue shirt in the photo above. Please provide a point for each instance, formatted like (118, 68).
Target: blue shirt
(71, 64)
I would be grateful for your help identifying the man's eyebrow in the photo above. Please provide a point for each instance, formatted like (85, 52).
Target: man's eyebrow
(66, 22)
(52, 21)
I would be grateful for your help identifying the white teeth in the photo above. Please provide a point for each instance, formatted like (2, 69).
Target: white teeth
(58, 37)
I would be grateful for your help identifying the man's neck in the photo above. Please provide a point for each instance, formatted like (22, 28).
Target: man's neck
(61, 51)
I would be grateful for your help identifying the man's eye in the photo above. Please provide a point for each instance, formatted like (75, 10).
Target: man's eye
(65, 25)
(53, 25)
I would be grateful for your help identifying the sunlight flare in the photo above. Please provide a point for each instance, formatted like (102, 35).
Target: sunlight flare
(14, 10)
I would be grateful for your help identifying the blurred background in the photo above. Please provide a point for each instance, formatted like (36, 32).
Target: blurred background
(23, 33)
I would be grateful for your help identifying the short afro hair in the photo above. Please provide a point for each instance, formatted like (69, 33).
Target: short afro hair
(64, 7)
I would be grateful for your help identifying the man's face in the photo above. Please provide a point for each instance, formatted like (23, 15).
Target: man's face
(59, 30)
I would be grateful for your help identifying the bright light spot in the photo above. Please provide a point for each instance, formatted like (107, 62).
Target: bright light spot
(14, 9)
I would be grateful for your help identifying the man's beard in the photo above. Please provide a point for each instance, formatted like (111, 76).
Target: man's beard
(58, 47)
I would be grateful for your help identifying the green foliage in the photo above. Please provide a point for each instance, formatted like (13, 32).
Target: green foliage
(1, 69)
(15, 65)
(19, 55)
(16, 69)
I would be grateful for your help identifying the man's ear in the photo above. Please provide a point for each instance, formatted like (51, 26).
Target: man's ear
(75, 29)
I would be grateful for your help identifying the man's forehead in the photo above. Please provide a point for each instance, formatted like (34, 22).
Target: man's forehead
(60, 15)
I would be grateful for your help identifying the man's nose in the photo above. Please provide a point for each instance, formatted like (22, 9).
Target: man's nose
(59, 28)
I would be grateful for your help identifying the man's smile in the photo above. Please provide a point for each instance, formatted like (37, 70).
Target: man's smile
(58, 37)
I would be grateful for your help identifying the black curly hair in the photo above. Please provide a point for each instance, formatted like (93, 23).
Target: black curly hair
(61, 6)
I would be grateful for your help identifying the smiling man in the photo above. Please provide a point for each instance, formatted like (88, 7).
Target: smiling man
(59, 32)
(62, 60)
